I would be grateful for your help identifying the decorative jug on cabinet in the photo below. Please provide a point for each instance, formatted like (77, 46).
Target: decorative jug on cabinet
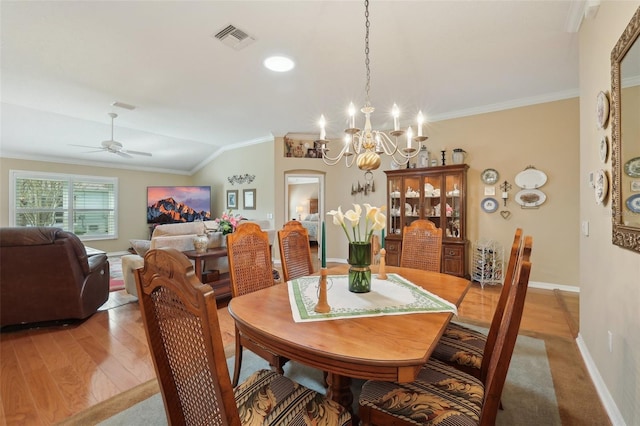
(458, 155)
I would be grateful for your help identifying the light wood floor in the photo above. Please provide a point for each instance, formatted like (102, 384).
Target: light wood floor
(49, 374)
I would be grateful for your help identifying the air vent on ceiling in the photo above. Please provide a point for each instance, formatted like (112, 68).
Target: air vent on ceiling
(234, 37)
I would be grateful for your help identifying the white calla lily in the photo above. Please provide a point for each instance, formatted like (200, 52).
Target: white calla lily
(375, 220)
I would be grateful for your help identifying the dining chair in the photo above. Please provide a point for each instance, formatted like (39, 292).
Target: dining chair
(180, 318)
(465, 348)
(295, 253)
(444, 392)
(421, 246)
(250, 269)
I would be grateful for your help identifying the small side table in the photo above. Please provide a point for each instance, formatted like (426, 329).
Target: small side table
(221, 286)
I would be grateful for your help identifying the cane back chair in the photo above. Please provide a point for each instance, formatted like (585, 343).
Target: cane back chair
(463, 347)
(295, 253)
(250, 269)
(181, 323)
(421, 246)
(444, 392)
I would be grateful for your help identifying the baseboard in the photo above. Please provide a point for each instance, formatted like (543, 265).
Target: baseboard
(609, 404)
(550, 286)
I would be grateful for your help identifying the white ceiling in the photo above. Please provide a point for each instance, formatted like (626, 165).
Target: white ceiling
(65, 63)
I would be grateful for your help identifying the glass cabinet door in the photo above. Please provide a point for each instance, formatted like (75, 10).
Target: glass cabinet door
(453, 199)
(411, 209)
(393, 206)
(432, 191)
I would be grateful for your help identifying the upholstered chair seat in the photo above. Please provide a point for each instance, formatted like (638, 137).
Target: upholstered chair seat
(440, 394)
(268, 398)
(461, 346)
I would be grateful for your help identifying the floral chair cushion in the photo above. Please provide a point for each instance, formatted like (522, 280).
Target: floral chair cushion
(461, 347)
(267, 398)
(440, 395)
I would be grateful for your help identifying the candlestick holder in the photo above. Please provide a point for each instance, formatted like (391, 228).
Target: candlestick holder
(382, 273)
(322, 306)
(444, 152)
(506, 187)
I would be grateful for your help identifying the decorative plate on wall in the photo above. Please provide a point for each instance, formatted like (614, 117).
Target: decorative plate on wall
(531, 178)
(633, 203)
(632, 167)
(602, 186)
(602, 110)
(530, 197)
(604, 149)
(490, 176)
(489, 205)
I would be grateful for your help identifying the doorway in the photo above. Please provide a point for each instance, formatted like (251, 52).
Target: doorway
(304, 201)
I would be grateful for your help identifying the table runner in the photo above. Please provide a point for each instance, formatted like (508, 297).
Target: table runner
(393, 296)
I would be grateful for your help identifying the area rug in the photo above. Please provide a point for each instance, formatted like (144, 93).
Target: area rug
(116, 281)
(528, 397)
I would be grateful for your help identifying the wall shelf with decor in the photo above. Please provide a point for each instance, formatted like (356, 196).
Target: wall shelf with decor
(437, 194)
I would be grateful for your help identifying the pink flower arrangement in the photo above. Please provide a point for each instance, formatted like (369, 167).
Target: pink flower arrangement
(228, 222)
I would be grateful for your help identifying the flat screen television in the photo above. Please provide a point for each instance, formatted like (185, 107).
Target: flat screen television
(173, 204)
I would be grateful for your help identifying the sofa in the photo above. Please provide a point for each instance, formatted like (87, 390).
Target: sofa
(46, 275)
(179, 236)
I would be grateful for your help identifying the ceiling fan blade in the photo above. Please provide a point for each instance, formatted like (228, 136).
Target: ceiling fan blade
(86, 146)
(148, 154)
(123, 154)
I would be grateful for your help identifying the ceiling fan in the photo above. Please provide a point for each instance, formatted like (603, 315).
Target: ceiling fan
(114, 146)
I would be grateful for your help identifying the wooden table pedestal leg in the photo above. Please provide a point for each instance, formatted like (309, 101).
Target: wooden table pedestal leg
(339, 390)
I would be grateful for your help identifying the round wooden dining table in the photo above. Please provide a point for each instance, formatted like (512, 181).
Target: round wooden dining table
(388, 348)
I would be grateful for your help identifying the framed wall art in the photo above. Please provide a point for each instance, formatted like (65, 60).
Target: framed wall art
(232, 199)
(249, 199)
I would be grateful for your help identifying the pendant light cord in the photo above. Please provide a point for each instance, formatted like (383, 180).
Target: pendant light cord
(366, 51)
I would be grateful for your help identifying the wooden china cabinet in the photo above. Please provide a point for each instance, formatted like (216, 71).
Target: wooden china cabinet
(437, 194)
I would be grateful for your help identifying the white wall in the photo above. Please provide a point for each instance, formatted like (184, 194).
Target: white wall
(609, 275)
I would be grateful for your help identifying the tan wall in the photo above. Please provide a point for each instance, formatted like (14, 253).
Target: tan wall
(253, 160)
(544, 135)
(609, 275)
(132, 195)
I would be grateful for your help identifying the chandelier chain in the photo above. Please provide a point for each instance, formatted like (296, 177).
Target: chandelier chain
(366, 51)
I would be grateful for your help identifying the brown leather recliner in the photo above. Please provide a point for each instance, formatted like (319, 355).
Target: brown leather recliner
(45, 275)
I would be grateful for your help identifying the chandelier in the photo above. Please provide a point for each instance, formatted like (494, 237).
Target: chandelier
(364, 146)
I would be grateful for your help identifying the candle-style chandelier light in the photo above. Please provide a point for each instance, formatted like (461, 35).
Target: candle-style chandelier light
(364, 146)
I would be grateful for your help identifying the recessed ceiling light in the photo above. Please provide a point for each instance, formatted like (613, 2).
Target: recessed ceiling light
(279, 63)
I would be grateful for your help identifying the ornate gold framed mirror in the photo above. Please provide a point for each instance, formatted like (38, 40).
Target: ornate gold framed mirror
(625, 136)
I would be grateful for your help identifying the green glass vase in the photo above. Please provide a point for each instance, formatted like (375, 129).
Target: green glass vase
(359, 271)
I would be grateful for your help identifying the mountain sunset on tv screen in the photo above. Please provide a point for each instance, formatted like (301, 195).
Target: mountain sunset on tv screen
(172, 204)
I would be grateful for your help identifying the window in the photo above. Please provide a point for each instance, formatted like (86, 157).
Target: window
(84, 205)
